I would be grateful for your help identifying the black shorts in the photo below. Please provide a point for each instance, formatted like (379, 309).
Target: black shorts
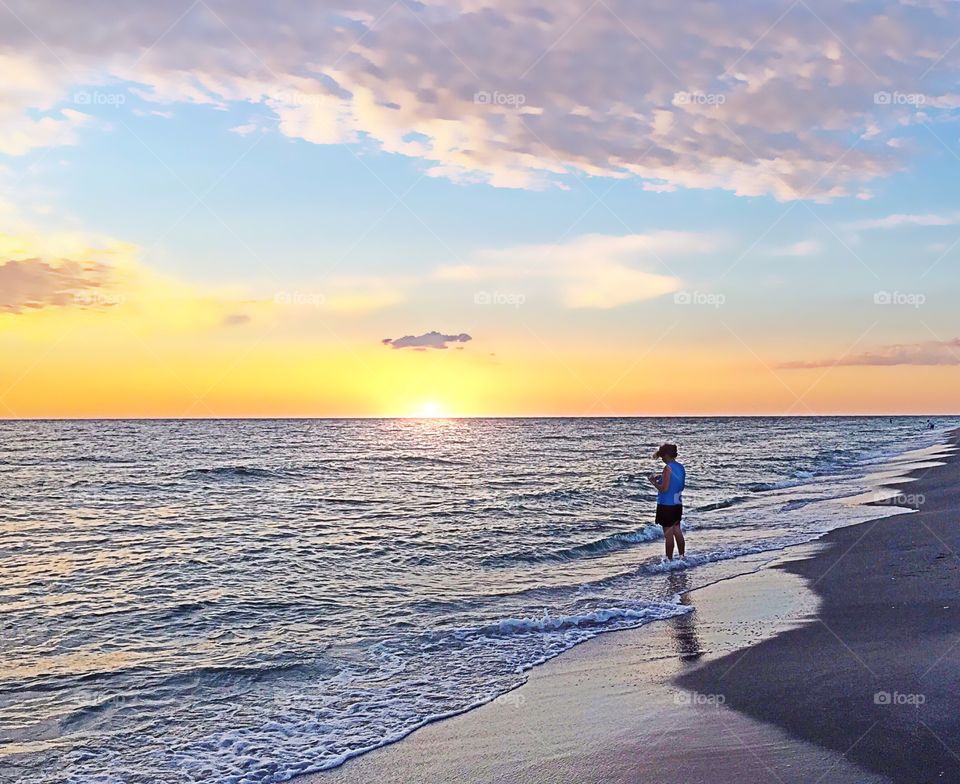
(669, 514)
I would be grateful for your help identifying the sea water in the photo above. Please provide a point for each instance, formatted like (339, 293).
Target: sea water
(243, 601)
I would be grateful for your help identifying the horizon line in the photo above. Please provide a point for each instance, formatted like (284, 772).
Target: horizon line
(470, 416)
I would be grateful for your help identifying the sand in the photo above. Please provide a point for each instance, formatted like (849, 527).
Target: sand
(876, 677)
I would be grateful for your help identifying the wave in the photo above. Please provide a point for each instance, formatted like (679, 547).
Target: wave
(100, 459)
(608, 544)
(557, 494)
(699, 559)
(783, 484)
(416, 459)
(725, 504)
(231, 472)
(597, 619)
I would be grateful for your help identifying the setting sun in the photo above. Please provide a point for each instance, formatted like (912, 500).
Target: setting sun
(430, 410)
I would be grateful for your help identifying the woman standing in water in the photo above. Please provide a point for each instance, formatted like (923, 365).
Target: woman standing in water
(670, 486)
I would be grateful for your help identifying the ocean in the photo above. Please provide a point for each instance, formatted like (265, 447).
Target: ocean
(247, 600)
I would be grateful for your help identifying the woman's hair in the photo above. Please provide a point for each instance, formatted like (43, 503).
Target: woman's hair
(668, 450)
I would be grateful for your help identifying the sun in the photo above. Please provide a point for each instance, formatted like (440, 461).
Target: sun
(431, 410)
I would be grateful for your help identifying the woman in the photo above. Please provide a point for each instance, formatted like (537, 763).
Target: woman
(669, 498)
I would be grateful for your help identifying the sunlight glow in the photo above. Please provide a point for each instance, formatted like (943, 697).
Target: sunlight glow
(431, 410)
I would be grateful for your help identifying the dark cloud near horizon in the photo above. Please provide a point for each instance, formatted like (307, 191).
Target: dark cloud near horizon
(930, 352)
(236, 319)
(427, 340)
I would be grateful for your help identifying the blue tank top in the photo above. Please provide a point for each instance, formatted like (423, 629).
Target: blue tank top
(678, 478)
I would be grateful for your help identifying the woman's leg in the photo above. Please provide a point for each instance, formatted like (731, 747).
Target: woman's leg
(668, 540)
(678, 535)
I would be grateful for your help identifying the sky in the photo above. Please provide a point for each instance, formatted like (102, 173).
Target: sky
(478, 208)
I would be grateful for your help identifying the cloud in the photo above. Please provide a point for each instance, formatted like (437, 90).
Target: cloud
(154, 113)
(931, 352)
(590, 271)
(62, 278)
(427, 340)
(21, 134)
(516, 93)
(236, 319)
(32, 284)
(798, 249)
(899, 220)
(244, 130)
(32, 86)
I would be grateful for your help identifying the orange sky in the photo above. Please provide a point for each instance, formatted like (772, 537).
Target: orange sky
(106, 364)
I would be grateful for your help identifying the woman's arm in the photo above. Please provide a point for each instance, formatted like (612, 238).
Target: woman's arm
(664, 482)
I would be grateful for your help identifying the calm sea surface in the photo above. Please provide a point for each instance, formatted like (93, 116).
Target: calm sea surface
(242, 601)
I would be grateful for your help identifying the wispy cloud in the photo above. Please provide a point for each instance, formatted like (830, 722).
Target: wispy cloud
(590, 271)
(244, 130)
(931, 352)
(797, 249)
(902, 219)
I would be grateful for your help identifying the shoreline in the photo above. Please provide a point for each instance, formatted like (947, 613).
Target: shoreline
(615, 687)
(608, 710)
(876, 677)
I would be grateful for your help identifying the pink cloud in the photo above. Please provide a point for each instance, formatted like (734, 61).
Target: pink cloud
(931, 352)
(31, 284)
(745, 97)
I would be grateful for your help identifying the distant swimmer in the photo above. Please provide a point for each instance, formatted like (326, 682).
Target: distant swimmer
(670, 486)
(929, 424)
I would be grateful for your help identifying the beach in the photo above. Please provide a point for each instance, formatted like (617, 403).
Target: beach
(840, 662)
(471, 600)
